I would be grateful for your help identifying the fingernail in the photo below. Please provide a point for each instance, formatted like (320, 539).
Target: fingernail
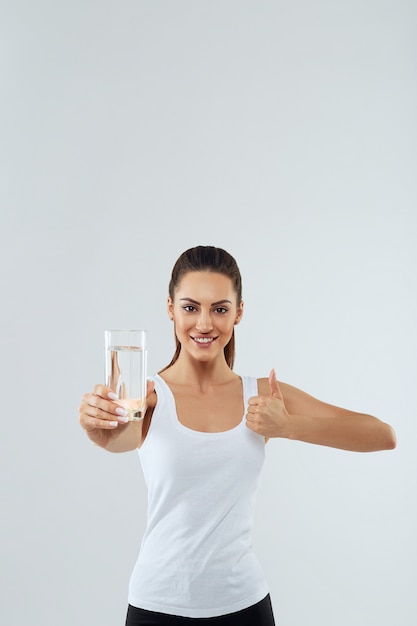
(121, 411)
(123, 419)
(112, 396)
(113, 423)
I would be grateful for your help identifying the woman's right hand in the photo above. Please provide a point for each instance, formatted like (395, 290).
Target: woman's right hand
(102, 418)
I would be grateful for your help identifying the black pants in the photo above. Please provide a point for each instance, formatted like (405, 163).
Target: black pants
(259, 614)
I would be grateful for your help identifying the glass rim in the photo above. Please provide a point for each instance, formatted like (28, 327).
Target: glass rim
(135, 337)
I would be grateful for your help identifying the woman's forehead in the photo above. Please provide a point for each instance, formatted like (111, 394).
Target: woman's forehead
(205, 285)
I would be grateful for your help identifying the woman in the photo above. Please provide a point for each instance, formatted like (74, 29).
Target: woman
(202, 461)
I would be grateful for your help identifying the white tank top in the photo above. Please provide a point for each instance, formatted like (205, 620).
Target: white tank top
(196, 557)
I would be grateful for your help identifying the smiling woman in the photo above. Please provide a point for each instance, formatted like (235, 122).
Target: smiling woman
(206, 320)
(202, 447)
(207, 259)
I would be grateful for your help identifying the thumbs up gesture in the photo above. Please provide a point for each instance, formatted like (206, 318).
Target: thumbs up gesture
(267, 416)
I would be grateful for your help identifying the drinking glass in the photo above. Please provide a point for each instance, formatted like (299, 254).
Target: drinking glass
(126, 357)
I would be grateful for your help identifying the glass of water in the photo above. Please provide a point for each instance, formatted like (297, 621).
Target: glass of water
(126, 356)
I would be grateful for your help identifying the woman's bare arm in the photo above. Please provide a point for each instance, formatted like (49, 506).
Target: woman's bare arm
(282, 410)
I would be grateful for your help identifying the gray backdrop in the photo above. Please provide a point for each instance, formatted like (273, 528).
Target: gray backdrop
(282, 131)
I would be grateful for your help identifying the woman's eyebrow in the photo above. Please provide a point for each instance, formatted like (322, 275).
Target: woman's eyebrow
(212, 304)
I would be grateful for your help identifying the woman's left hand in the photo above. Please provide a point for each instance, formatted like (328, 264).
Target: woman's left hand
(268, 416)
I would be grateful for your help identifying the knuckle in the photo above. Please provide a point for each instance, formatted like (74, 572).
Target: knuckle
(85, 423)
(93, 400)
(96, 412)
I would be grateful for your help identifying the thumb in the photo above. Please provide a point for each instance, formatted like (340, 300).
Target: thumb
(275, 391)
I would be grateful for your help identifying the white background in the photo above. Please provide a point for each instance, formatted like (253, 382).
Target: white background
(284, 132)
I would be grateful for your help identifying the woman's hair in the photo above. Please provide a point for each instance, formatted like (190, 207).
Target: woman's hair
(207, 259)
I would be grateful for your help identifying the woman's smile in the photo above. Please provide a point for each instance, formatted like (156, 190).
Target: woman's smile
(202, 341)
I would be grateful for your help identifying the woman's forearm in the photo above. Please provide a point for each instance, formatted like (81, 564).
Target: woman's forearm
(126, 438)
(356, 432)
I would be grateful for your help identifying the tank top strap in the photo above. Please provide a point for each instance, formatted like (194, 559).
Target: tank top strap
(164, 397)
(250, 388)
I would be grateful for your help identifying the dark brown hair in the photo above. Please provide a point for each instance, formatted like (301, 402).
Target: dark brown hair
(207, 259)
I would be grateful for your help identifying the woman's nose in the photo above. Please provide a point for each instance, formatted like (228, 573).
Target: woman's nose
(204, 323)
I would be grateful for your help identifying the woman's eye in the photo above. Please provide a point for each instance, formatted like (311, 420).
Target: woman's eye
(189, 308)
(221, 310)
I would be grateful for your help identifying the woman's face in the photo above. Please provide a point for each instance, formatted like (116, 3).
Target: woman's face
(205, 310)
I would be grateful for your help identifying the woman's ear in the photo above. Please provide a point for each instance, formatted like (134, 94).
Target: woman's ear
(170, 308)
(239, 313)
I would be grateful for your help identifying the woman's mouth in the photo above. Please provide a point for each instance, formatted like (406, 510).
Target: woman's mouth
(203, 341)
